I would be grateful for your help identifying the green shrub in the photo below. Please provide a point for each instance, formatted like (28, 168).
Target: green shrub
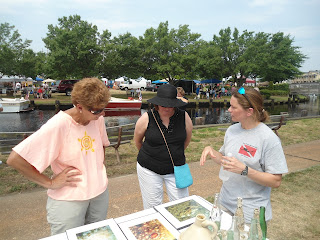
(282, 87)
(271, 86)
(266, 93)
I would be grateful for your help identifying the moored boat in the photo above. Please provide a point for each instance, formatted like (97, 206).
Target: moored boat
(14, 105)
(123, 104)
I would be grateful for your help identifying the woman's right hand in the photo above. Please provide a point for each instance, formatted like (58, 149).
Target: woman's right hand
(66, 178)
(207, 151)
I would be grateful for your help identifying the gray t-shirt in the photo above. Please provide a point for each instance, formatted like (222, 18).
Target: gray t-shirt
(259, 148)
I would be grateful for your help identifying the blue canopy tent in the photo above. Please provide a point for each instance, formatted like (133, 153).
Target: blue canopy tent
(208, 81)
(160, 81)
(39, 79)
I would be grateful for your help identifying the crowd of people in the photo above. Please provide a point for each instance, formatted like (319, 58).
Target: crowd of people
(42, 91)
(251, 156)
(216, 91)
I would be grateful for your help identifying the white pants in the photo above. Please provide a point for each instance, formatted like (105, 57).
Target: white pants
(151, 186)
(64, 215)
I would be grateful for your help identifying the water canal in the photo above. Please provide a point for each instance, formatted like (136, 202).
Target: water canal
(32, 121)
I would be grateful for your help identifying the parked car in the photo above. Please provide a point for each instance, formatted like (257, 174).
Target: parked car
(154, 87)
(65, 86)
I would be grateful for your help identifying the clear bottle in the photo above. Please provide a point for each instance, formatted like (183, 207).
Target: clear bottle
(233, 232)
(223, 174)
(240, 215)
(215, 214)
(256, 215)
(255, 226)
(263, 223)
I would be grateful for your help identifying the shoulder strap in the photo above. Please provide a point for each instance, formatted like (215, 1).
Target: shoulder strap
(162, 136)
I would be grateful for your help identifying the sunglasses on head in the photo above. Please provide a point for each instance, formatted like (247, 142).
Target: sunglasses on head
(242, 91)
(97, 112)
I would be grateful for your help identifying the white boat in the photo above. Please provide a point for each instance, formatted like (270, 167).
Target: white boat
(14, 105)
(123, 104)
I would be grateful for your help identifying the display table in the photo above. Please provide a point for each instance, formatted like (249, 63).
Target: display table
(166, 221)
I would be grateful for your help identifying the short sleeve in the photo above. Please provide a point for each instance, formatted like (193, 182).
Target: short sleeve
(103, 132)
(275, 160)
(42, 147)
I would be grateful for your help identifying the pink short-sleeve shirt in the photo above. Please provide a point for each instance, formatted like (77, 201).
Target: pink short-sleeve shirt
(61, 143)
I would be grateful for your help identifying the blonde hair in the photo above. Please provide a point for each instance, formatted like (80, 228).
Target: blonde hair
(256, 100)
(90, 93)
(181, 91)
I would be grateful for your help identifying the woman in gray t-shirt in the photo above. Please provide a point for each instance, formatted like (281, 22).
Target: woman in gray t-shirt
(251, 157)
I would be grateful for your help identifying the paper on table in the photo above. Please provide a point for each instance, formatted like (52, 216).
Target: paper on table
(226, 221)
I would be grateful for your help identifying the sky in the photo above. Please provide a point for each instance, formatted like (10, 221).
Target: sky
(297, 18)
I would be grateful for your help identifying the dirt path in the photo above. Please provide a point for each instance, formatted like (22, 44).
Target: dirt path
(23, 216)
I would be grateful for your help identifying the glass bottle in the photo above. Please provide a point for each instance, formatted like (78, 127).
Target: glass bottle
(263, 223)
(224, 174)
(215, 214)
(255, 226)
(240, 215)
(233, 232)
(256, 215)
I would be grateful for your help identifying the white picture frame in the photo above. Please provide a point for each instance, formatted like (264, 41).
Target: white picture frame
(182, 213)
(153, 226)
(135, 215)
(60, 236)
(106, 228)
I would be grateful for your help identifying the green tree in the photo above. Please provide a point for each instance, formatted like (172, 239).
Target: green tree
(257, 55)
(109, 66)
(233, 51)
(74, 50)
(150, 54)
(164, 46)
(27, 63)
(224, 44)
(283, 59)
(271, 57)
(210, 64)
(170, 53)
(11, 49)
(41, 66)
(186, 53)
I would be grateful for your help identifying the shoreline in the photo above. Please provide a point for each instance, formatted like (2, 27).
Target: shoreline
(200, 103)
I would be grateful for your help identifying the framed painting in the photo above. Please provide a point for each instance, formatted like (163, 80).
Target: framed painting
(153, 226)
(135, 215)
(182, 213)
(61, 236)
(107, 229)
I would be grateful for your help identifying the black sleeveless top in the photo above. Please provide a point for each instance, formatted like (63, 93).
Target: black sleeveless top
(153, 154)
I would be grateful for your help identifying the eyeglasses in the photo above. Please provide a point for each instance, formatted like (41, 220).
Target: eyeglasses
(242, 91)
(97, 112)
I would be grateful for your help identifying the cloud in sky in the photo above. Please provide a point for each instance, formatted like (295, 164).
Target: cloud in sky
(295, 17)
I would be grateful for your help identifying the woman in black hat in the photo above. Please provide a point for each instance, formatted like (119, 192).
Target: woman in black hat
(154, 166)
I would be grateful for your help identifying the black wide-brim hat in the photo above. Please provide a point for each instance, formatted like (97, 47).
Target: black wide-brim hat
(167, 97)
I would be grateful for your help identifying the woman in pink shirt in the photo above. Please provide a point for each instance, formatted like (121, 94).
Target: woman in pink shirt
(72, 143)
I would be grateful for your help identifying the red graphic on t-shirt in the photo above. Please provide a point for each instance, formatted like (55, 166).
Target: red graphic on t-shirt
(248, 151)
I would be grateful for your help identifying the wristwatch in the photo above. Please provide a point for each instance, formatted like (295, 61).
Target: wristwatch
(245, 171)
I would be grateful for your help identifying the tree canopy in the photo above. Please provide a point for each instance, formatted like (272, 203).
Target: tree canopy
(76, 49)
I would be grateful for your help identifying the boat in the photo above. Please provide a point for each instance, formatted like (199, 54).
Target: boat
(117, 113)
(15, 105)
(119, 104)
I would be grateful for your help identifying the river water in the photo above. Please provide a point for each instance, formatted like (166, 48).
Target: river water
(33, 120)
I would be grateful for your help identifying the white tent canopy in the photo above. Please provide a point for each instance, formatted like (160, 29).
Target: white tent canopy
(49, 80)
